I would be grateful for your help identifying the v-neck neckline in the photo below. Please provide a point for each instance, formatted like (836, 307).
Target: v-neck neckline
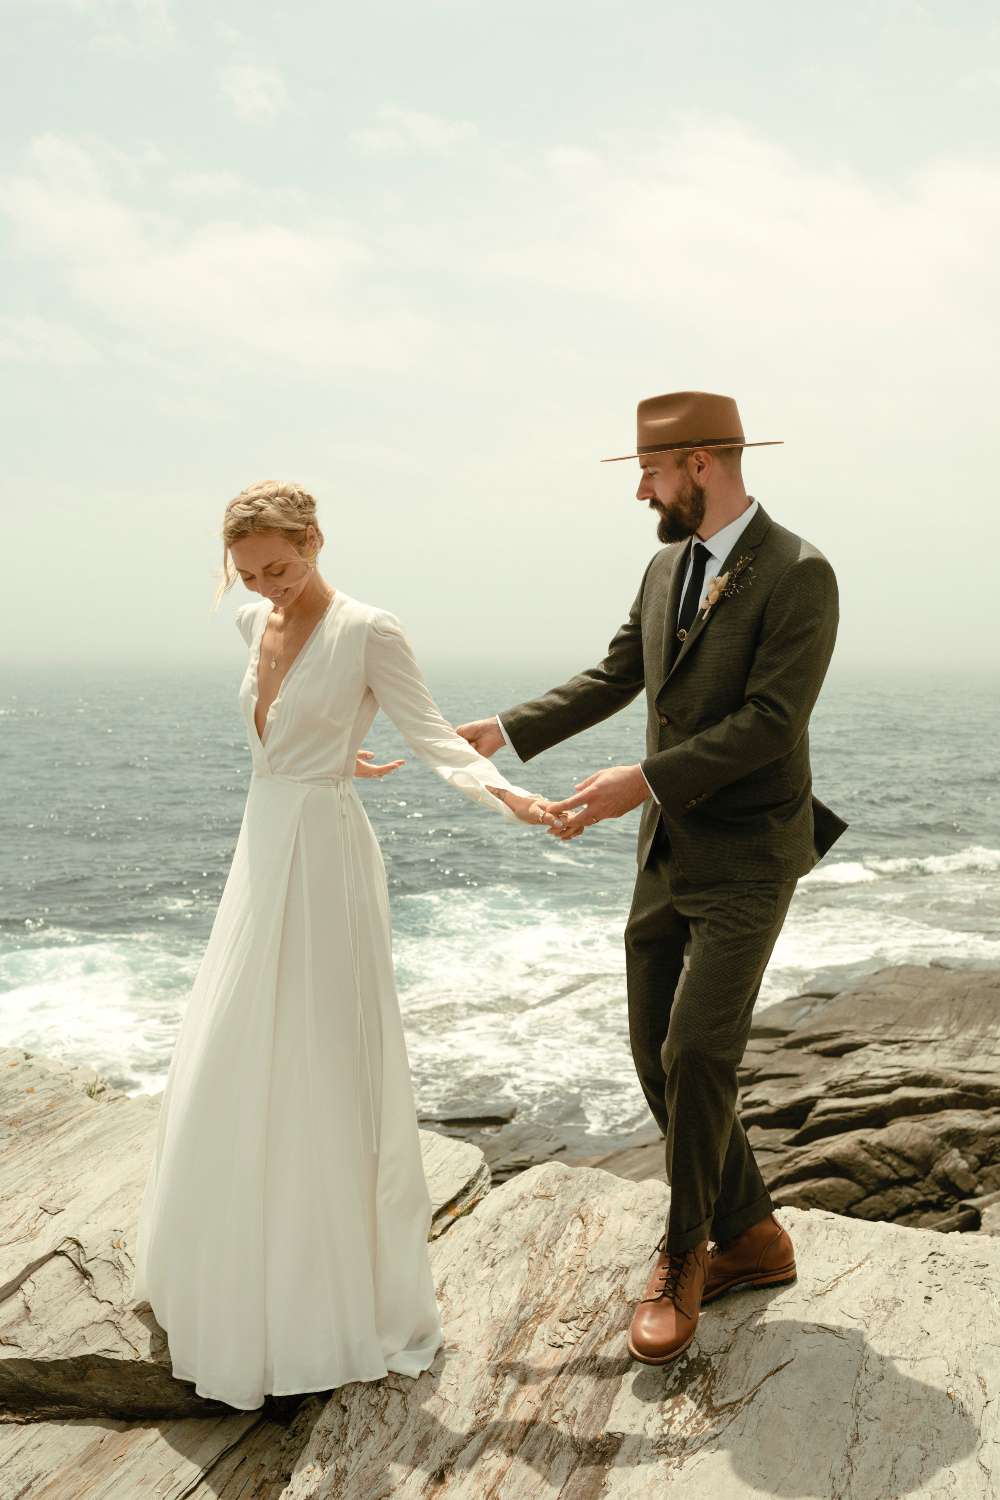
(300, 653)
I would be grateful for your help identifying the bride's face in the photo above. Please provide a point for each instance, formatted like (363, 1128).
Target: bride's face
(270, 565)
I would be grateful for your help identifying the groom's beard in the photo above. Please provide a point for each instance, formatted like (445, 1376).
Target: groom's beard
(684, 514)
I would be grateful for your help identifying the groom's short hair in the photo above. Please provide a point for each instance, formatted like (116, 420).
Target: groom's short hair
(729, 459)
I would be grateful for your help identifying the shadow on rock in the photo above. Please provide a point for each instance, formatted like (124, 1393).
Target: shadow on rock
(787, 1407)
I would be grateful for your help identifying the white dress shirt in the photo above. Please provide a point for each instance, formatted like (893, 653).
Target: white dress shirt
(719, 545)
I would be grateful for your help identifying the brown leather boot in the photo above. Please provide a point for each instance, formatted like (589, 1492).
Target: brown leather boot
(762, 1255)
(664, 1322)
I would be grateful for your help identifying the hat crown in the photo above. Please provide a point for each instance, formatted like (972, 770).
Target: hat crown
(687, 418)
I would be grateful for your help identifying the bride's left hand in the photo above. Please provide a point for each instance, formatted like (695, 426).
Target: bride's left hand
(363, 765)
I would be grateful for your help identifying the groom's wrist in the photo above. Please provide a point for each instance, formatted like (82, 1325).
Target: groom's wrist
(669, 772)
(646, 780)
(507, 739)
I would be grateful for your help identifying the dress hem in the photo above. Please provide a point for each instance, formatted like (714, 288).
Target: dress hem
(304, 1390)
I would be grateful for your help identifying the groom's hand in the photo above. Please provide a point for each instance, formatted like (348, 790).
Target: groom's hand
(605, 794)
(483, 735)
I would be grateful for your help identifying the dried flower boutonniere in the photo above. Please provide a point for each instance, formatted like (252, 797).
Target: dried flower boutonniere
(727, 584)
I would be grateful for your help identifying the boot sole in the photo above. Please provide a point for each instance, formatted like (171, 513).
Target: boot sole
(783, 1277)
(661, 1359)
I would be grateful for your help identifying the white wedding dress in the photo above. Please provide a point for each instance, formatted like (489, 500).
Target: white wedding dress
(282, 1236)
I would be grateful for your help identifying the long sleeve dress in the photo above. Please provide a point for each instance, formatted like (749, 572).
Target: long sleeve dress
(282, 1236)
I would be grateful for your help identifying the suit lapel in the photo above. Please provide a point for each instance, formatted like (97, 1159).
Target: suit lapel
(746, 545)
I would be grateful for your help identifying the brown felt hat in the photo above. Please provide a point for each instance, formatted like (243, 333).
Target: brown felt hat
(688, 419)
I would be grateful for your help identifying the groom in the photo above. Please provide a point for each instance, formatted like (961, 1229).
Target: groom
(731, 634)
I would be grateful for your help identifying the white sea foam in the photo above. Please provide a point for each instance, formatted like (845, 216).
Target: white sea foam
(537, 999)
(974, 860)
(534, 1002)
(852, 873)
(850, 941)
(472, 945)
(526, 991)
(113, 1004)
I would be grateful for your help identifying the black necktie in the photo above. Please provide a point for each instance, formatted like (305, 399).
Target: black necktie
(693, 592)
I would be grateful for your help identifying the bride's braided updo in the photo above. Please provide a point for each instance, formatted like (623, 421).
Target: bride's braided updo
(271, 505)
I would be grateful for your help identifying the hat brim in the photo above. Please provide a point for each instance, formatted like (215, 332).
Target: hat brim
(690, 447)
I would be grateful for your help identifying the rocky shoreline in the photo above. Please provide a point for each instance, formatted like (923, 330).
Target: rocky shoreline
(881, 1102)
(874, 1375)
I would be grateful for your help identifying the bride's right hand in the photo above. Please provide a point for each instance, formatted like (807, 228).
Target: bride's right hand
(572, 825)
(483, 735)
(530, 809)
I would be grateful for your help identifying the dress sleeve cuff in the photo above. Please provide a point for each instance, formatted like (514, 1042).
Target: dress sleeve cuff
(477, 787)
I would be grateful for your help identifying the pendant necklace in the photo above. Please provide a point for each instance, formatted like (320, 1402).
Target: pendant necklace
(274, 659)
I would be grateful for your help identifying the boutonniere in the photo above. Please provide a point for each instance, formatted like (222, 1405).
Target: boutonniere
(725, 585)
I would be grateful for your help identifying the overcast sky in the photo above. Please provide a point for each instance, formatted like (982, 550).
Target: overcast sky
(424, 258)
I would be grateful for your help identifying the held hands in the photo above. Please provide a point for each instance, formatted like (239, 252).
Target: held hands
(529, 809)
(604, 794)
(484, 736)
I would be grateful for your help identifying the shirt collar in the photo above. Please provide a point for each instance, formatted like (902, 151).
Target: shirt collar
(722, 542)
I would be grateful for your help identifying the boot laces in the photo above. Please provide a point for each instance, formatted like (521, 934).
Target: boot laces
(670, 1274)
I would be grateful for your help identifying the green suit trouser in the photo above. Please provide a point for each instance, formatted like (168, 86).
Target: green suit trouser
(695, 959)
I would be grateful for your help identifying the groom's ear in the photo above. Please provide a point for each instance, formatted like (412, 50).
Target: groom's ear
(697, 461)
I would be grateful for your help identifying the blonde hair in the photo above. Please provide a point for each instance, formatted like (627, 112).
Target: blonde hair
(271, 505)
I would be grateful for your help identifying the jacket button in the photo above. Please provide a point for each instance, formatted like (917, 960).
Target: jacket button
(663, 719)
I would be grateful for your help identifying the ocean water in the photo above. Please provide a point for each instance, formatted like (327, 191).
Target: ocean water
(121, 796)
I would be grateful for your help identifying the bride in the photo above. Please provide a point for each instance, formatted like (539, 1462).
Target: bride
(282, 1235)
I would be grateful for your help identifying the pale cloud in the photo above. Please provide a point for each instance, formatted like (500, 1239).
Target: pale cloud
(228, 34)
(207, 184)
(400, 132)
(981, 80)
(34, 340)
(120, 26)
(147, 9)
(715, 213)
(742, 253)
(744, 256)
(749, 264)
(288, 297)
(256, 93)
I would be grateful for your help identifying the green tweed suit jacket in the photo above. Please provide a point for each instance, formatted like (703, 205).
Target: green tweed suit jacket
(727, 738)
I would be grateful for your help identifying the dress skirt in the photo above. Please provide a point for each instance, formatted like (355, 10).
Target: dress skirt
(283, 1230)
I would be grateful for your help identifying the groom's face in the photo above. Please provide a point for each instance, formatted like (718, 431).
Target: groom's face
(672, 491)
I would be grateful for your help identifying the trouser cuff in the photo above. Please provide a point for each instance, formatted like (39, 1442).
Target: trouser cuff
(678, 1241)
(728, 1227)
